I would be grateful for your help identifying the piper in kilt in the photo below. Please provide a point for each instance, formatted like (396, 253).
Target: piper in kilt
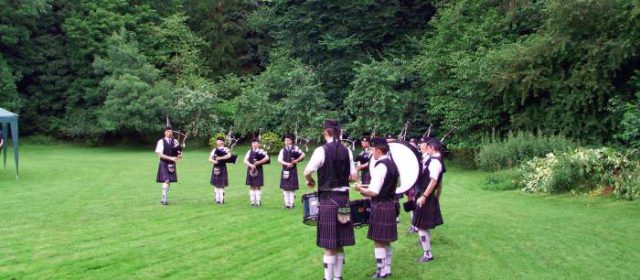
(169, 151)
(363, 161)
(334, 164)
(219, 174)
(382, 190)
(254, 159)
(427, 214)
(289, 156)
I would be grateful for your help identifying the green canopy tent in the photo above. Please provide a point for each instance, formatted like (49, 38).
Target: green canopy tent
(7, 117)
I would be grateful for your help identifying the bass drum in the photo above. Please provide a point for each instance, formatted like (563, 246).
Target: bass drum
(408, 160)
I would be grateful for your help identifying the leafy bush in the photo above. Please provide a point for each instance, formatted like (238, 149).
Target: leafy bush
(271, 142)
(628, 185)
(212, 140)
(582, 170)
(502, 180)
(463, 156)
(510, 152)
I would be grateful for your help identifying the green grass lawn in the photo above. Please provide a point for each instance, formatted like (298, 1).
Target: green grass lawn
(94, 213)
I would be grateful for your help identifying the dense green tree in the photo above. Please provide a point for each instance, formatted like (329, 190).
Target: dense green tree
(222, 24)
(17, 19)
(287, 94)
(136, 95)
(331, 35)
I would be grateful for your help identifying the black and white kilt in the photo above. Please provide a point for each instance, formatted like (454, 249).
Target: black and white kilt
(428, 216)
(221, 180)
(164, 174)
(366, 178)
(331, 234)
(382, 222)
(257, 181)
(290, 184)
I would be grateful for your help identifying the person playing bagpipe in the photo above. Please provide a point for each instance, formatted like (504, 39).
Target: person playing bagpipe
(219, 156)
(334, 164)
(427, 214)
(169, 151)
(382, 223)
(363, 161)
(289, 156)
(254, 159)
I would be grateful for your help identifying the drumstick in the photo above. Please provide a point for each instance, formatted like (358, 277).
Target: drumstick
(362, 186)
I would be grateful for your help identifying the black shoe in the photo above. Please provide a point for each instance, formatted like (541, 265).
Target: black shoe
(378, 276)
(164, 203)
(259, 204)
(252, 205)
(424, 259)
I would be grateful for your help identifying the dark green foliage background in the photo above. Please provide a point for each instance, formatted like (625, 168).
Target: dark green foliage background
(566, 67)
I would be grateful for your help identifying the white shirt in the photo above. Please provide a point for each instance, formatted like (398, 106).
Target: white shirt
(435, 168)
(160, 145)
(213, 152)
(378, 173)
(317, 160)
(281, 154)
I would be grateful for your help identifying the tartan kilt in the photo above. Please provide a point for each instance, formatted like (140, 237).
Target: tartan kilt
(366, 178)
(428, 216)
(222, 180)
(330, 233)
(255, 181)
(290, 184)
(164, 174)
(382, 222)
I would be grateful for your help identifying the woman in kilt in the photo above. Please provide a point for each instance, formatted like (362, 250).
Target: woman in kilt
(427, 213)
(382, 222)
(289, 156)
(254, 159)
(219, 175)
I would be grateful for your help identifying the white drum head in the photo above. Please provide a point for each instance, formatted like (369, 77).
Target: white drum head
(407, 159)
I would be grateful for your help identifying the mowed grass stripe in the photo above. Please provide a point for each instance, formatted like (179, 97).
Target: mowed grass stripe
(95, 213)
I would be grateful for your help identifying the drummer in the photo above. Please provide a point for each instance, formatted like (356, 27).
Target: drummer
(427, 214)
(382, 224)
(362, 161)
(334, 164)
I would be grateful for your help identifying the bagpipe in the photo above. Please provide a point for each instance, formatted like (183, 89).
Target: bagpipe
(221, 153)
(364, 156)
(260, 155)
(232, 143)
(181, 138)
(299, 140)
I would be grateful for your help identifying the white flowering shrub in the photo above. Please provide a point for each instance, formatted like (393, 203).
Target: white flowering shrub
(583, 170)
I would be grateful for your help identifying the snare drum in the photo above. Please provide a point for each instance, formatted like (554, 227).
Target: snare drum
(360, 212)
(310, 208)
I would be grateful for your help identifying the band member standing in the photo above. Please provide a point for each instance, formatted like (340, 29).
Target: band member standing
(289, 156)
(413, 142)
(254, 159)
(382, 190)
(169, 151)
(411, 193)
(334, 164)
(427, 214)
(219, 174)
(363, 161)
